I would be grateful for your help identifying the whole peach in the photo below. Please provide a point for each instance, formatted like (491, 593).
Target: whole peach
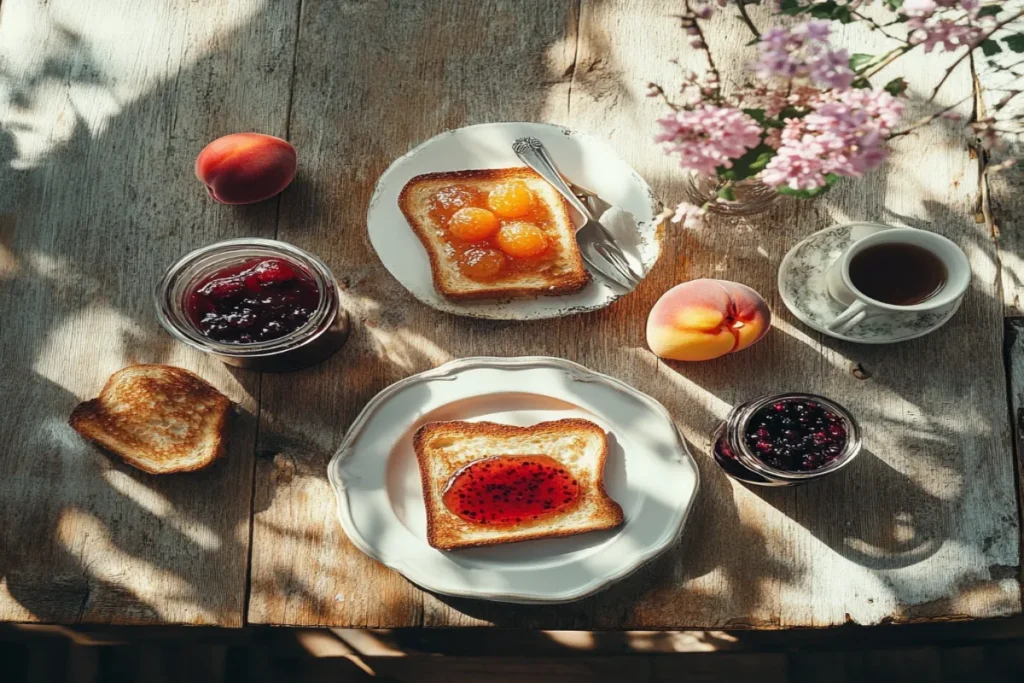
(705, 319)
(243, 168)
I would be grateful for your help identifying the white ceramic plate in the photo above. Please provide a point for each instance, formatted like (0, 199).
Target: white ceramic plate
(586, 161)
(380, 501)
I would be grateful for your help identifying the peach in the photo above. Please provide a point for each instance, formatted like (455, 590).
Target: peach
(243, 168)
(705, 319)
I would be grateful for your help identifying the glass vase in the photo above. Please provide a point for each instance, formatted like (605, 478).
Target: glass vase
(752, 196)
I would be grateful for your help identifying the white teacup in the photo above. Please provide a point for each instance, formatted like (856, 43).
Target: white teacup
(860, 306)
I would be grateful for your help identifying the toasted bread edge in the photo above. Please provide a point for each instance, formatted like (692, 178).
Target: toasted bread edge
(500, 430)
(566, 284)
(81, 420)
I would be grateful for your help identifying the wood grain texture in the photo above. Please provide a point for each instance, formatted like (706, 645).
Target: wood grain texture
(372, 80)
(102, 113)
(923, 527)
(997, 77)
(104, 107)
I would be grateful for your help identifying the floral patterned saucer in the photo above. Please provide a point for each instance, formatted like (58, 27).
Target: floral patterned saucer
(802, 286)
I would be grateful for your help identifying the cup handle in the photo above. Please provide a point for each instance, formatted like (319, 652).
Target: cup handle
(856, 312)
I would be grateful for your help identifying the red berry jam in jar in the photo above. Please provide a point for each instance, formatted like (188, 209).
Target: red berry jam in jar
(508, 490)
(786, 439)
(254, 301)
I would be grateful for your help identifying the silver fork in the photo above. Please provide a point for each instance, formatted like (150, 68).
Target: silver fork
(596, 244)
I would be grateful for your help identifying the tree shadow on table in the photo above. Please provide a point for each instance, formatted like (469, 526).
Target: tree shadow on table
(96, 166)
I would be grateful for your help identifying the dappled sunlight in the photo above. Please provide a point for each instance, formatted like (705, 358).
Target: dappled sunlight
(89, 69)
(85, 537)
(833, 357)
(56, 355)
(156, 504)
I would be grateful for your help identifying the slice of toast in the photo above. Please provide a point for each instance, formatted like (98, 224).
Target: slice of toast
(559, 272)
(157, 418)
(444, 448)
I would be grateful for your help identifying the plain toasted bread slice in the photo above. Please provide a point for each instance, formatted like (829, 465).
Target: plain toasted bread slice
(443, 448)
(559, 272)
(158, 418)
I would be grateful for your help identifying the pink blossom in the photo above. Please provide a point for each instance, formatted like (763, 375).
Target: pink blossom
(774, 101)
(708, 137)
(803, 52)
(773, 138)
(798, 167)
(918, 8)
(951, 24)
(885, 109)
(844, 135)
(946, 32)
(690, 215)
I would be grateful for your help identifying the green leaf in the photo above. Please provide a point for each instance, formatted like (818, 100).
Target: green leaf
(861, 84)
(727, 193)
(792, 112)
(791, 7)
(843, 14)
(990, 47)
(830, 179)
(823, 10)
(894, 4)
(749, 164)
(766, 155)
(1014, 42)
(989, 11)
(896, 87)
(756, 114)
(860, 61)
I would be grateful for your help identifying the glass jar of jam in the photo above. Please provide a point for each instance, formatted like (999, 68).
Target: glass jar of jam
(786, 439)
(254, 303)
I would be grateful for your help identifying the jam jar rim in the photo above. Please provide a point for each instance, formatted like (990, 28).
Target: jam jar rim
(172, 315)
(740, 416)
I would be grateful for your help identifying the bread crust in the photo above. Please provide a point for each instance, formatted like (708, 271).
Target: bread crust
(95, 422)
(567, 283)
(492, 429)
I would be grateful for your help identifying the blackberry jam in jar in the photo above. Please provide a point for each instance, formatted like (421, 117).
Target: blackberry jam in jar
(254, 303)
(786, 439)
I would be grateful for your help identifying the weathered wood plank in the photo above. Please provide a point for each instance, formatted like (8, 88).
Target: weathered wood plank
(1015, 377)
(924, 526)
(901, 535)
(104, 108)
(373, 79)
(997, 77)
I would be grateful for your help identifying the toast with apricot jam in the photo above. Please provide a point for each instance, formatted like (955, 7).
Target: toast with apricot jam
(486, 483)
(494, 234)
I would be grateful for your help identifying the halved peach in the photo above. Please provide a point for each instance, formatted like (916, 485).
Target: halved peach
(705, 319)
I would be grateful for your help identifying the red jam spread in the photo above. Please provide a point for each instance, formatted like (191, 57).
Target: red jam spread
(254, 301)
(507, 490)
(796, 435)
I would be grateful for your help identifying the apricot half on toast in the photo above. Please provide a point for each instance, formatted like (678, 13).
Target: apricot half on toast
(497, 233)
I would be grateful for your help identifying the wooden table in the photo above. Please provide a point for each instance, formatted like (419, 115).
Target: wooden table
(104, 108)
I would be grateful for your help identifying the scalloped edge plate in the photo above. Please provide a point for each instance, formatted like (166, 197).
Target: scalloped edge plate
(584, 159)
(649, 472)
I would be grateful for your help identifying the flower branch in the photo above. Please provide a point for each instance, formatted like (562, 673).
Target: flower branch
(811, 115)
